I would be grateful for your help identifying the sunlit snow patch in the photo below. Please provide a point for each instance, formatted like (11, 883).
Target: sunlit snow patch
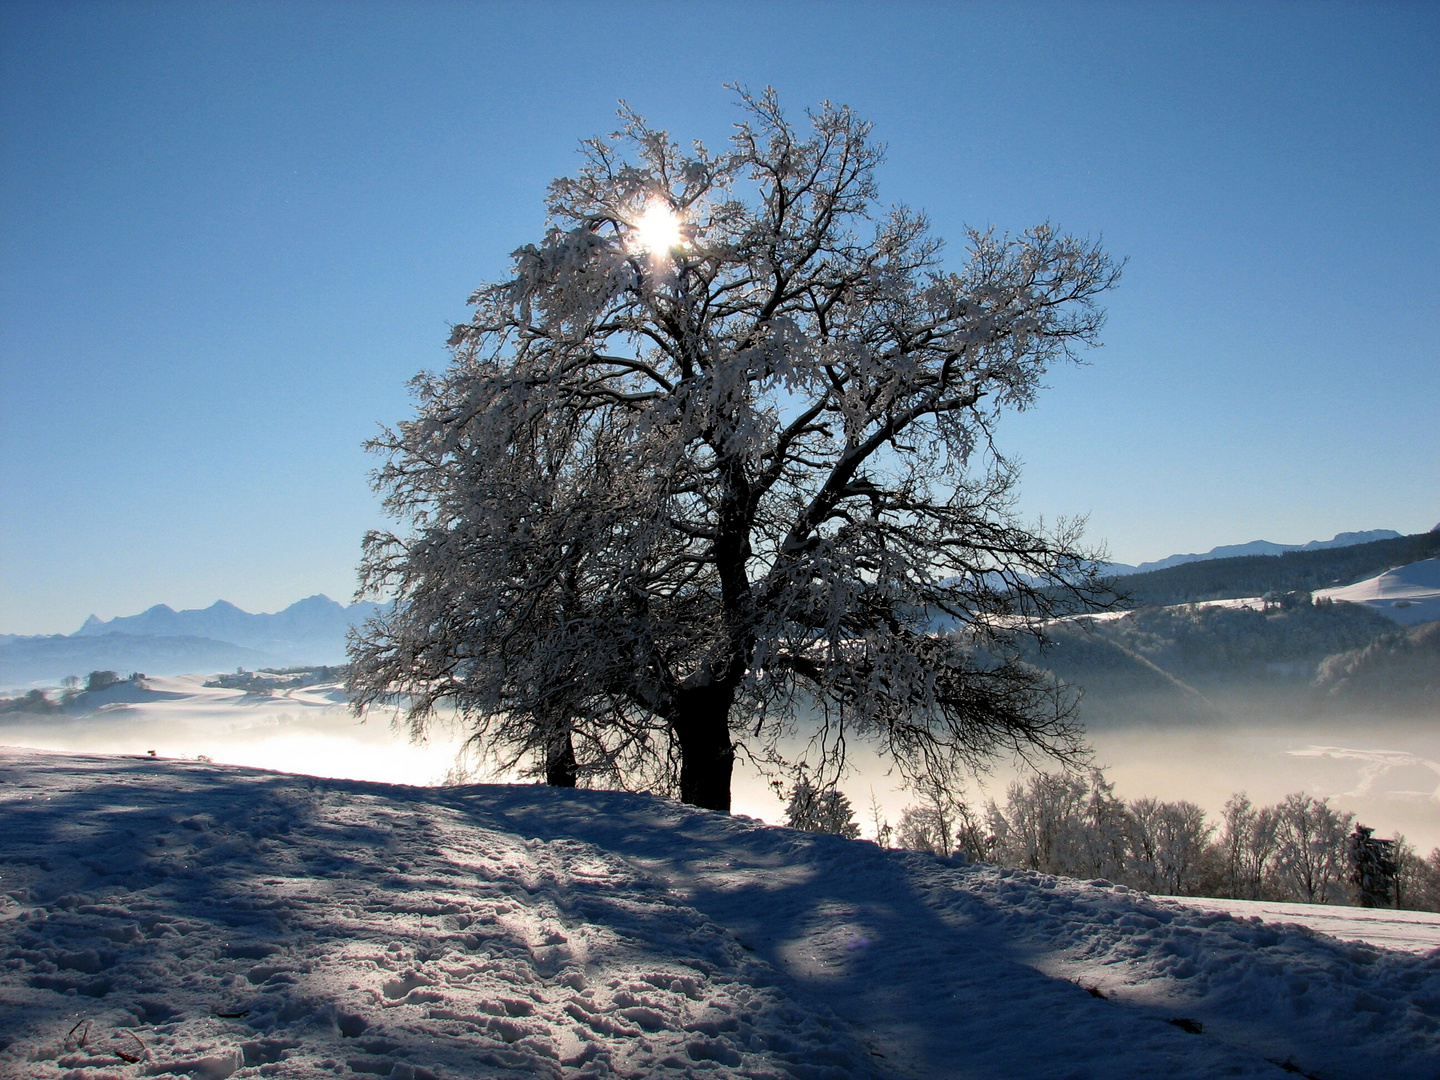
(1408, 594)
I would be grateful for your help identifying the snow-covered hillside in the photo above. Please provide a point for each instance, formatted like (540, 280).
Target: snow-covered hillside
(1408, 594)
(218, 921)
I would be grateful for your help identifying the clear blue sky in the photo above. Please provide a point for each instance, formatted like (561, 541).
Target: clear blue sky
(230, 232)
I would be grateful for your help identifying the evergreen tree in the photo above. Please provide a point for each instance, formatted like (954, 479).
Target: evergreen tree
(1373, 867)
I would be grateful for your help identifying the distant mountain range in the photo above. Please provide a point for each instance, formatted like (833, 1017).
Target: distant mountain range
(163, 641)
(317, 622)
(1255, 547)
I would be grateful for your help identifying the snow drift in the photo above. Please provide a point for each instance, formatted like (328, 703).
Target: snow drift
(165, 917)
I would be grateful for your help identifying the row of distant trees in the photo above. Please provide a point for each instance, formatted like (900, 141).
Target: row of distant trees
(1301, 849)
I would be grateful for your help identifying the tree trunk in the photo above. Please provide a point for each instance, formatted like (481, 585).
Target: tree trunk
(707, 756)
(560, 767)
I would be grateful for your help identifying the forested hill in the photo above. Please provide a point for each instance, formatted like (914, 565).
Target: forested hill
(1255, 575)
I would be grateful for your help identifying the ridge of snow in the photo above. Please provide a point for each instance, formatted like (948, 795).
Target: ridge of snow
(246, 923)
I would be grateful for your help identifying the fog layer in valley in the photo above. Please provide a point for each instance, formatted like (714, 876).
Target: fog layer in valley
(308, 731)
(1386, 769)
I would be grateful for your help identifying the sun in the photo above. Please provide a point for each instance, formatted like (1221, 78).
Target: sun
(657, 230)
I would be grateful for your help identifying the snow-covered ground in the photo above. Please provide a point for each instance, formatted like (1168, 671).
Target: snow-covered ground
(1411, 931)
(1408, 594)
(212, 921)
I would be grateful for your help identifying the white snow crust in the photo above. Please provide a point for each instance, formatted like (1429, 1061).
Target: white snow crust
(217, 921)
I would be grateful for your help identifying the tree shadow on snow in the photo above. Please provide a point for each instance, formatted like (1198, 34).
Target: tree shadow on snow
(114, 855)
(933, 989)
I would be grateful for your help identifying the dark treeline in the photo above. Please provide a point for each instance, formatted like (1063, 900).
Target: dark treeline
(1228, 642)
(1400, 669)
(1255, 575)
(1191, 663)
(268, 680)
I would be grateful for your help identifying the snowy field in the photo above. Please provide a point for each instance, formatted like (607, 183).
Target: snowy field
(1408, 594)
(182, 918)
(1410, 931)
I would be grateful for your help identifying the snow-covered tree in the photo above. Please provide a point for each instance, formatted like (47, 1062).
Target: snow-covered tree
(925, 828)
(1167, 843)
(1247, 847)
(1311, 847)
(1418, 880)
(820, 809)
(883, 829)
(1063, 823)
(942, 822)
(719, 452)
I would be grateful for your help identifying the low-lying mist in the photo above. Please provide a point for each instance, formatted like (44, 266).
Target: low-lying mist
(311, 732)
(1383, 767)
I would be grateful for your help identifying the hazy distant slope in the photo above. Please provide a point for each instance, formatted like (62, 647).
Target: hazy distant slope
(1201, 643)
(1255, 575)
(49, 659)
(1189, 663)
(1117, 685)
(1401, 670)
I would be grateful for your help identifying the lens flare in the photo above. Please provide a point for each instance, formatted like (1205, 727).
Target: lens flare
(657, 230)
